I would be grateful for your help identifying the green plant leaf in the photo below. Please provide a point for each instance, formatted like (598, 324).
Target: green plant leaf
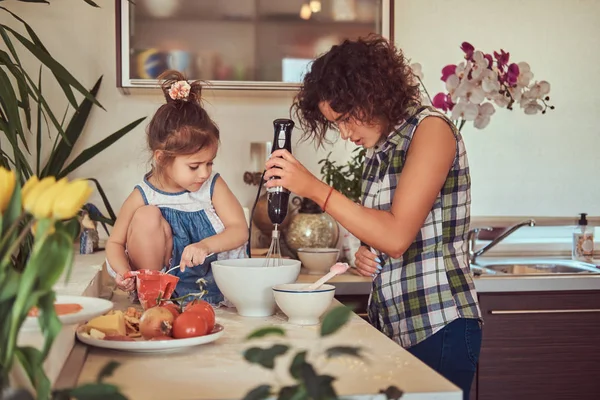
(265, 357)
(91, 3)
(48, 320)
(73, 132)
(107, 371)
(262, 332)
(334, 320)
(109, 209)
(36, 48)
(96, 391)
(317, 386)
(296, 392)
(338, 351)
(35, 92)
(38, 130)
(258, 393)
(17, 75)
(94, 150)
(296, 365)
(59, 245)
(32, 361)
(9, 102)
(9, 285)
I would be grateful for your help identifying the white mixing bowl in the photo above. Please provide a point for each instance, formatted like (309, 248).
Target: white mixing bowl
(247, 283)
(303, 307)
(317, 261)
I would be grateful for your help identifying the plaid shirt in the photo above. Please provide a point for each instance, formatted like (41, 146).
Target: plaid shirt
(431, 285)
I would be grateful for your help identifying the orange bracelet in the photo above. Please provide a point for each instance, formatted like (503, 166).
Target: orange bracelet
(327, 199)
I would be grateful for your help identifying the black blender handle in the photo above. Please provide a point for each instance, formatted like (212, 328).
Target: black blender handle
(282, 138)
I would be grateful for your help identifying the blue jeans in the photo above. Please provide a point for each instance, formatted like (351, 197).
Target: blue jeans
(453, 352)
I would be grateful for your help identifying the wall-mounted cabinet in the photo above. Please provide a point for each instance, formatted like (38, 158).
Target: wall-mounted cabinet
(237, 44)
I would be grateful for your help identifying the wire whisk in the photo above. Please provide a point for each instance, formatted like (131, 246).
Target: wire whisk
(273, 258)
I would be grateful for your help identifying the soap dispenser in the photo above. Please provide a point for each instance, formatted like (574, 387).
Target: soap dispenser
(583, 240)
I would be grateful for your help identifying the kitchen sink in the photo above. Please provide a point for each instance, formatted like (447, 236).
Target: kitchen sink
(532, 266)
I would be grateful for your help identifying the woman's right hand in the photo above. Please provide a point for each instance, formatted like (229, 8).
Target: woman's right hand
(125, 284)
(367, 263)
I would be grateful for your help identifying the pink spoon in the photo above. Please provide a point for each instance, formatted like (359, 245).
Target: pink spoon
(336, 269)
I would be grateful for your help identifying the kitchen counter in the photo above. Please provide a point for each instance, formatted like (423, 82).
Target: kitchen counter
(218, 370)
(351, 284)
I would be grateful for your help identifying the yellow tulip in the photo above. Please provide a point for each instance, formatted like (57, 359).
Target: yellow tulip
(72, 198)
(36, 193)
(31, 182)
(44, 205)
(7, 187)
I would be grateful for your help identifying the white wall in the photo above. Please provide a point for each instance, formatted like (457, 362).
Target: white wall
(521, 165)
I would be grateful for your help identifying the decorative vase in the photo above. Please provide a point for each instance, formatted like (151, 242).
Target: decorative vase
(261, 217)
(310, 227)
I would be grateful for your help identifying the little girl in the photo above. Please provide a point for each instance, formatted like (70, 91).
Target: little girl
(182, 213)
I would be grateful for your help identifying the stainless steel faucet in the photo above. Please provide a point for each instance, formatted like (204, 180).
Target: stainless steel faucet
(474, 235)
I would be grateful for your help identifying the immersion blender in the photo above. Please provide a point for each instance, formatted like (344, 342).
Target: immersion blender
(278, 196)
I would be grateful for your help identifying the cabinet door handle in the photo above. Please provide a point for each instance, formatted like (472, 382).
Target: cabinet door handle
(363, 315)
(580, 311)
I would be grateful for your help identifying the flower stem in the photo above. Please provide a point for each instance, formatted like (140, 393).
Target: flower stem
(15, 245)
(10, 231)
(425, 90)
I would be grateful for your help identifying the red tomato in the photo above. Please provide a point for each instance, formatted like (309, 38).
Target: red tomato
(189, 324)
(203, 308)
(174, 308)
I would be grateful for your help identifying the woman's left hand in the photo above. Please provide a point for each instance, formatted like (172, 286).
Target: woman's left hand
(292, 174)
(192, 255)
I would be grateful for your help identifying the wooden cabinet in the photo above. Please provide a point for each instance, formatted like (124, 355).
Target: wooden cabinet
(237, 44)
(539, 345)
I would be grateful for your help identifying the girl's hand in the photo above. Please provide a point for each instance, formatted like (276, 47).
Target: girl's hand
(367, 263)
(193, 254)
(292, 174)
(125, 284)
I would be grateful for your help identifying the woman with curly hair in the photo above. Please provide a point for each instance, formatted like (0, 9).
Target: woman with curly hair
(414, 218)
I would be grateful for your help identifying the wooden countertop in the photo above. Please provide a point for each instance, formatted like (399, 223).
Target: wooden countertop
(218, 371)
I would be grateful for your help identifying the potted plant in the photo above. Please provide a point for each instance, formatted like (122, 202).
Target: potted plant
(346, 179)
(38, 225)
(27, 119)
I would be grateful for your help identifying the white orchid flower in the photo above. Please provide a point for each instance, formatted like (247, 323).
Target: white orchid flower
(465, 110)
(486, 110)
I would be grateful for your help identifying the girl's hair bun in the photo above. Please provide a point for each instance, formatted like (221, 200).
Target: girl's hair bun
(176, 88)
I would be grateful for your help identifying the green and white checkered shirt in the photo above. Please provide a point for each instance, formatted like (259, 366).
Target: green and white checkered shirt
(431, 285)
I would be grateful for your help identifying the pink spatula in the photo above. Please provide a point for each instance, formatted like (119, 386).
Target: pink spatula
(336, 269)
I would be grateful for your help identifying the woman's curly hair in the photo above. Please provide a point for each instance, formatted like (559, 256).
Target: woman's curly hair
(366, 79)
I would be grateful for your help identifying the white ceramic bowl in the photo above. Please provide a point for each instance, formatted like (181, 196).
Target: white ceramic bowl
(247, 283)
(317, 261)
(303, 308)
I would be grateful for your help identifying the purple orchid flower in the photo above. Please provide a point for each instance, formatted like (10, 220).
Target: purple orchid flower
(468, 49)
(512, 74)
(502, 57)
(447, 71)
(442, 101)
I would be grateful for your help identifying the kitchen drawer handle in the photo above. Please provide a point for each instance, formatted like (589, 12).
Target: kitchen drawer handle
(363, 315)
(508, 312)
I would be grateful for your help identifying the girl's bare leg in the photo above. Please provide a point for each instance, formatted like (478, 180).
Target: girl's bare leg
(149, 240)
